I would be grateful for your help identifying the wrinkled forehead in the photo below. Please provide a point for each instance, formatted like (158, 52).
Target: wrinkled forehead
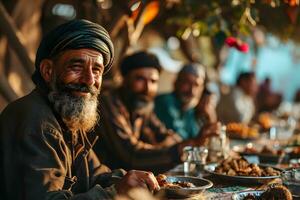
(87, 54)
(78, 56)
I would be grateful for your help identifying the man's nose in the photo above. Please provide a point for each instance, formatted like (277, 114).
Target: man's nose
(195, 90)
(148, 86)
(189, 90)
(88, 76)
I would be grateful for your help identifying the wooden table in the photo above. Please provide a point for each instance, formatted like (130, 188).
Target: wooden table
(221, 190)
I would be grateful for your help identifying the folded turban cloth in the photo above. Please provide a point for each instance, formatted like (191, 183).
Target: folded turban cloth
(193, 68)
(74, 34)
(138, 60)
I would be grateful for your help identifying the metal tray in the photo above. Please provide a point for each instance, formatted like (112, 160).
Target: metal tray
(200, 183)
(210, 168)
(267, 158)
(243, 194)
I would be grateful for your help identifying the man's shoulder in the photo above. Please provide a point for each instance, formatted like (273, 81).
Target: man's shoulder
(32, 109)
(29, 102)
(164, 97)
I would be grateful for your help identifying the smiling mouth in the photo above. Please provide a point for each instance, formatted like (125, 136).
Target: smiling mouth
(80, 93)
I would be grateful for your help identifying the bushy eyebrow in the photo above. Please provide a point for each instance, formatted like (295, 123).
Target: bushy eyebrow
(82, 61)
(76, 60)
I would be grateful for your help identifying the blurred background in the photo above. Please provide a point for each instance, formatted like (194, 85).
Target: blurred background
(266, 32)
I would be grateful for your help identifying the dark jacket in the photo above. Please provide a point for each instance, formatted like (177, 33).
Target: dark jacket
(140, 142)
(41, 159)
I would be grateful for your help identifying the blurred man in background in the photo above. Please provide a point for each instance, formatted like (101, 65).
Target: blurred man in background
(131, 134)
(177, 109)
(239, 104)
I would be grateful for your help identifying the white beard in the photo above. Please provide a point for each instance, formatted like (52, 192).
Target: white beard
(78, 113)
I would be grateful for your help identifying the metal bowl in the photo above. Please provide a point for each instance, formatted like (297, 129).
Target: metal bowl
(200, 183)
(243, 194)
(291, 179)
(210, 168)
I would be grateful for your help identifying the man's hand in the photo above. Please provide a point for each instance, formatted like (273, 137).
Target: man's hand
(207, 108)
(208, 131)
(135, 178)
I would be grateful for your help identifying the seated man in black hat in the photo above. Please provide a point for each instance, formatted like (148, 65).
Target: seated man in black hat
(45, 151)
(132, 137)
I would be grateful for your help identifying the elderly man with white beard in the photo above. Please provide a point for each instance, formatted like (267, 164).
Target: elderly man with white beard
(45, 151)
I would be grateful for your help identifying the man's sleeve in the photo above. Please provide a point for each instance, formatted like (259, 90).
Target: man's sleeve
(118, 136)
(95, 193)
(101, 174)
(45, 158)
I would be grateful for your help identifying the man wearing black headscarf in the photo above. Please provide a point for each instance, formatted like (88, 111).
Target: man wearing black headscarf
(45, 151)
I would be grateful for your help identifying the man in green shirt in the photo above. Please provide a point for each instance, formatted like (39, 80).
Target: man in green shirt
(177, 109)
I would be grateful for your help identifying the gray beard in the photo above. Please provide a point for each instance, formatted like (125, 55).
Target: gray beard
(78, 113)
(191, 104)
(188, 103)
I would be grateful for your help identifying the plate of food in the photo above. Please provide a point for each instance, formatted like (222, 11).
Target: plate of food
(291, 179)
(182, 186)
(241, 131)
(238, 169)
(273, 192)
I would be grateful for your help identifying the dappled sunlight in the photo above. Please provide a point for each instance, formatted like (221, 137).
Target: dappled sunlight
(15, 82)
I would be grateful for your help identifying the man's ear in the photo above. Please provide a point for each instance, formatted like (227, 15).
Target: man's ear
(46, 69)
